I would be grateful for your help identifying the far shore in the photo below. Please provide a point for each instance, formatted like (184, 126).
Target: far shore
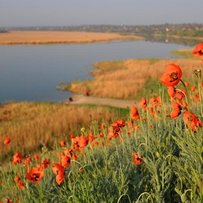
(63, 37)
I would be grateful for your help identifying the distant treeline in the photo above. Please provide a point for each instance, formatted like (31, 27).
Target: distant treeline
(3, 31)
(188, 29)
(164, 32)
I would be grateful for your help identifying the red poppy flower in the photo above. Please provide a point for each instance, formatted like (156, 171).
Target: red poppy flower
(172, 75)
(186, 84)
(59, 178)
(58, 170)
(136, 159)
(27, 161)
(143, 103)
(7, 141)
(171, 91)
(45, 163)
(63, 143)
(35, 174)
(176, 110)
(198, 50)
(17, 158)
(19, 182)
(21, 185)
(65, 161)
(180, 94)
(119, 123)
(191, 120)
(134, 114)
(36, 157)
(155, 101)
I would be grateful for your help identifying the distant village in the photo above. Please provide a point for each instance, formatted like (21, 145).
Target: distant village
(171, 29)
(188, 33)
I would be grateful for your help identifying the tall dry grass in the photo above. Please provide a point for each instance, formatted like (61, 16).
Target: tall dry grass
(32, 125)
(125, 79)
(53, 37)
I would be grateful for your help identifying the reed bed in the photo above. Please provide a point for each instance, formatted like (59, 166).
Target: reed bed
(126, 79)
(56, 37)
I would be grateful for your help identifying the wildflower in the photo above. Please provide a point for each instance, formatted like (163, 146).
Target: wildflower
(120, 123)
(63, 143)
(7, 200)
(58, 170)
(59, 178)
(19, 182)
(198, 50)
(45, 163)
(134, 114)
(172, 75)
(151, 111)
(36, 157)
(79, 142)
(193, 88)
(72, 136)
(180, 94)
(27, 161)
(136, 159)
(65, 161)
(7, 141)
(70, 152)
(35, 174)
(155, 101)
(176, 110)
(17, 158)
(186, 84)
(101, 134)
(191, 120)
(171, 91)
(143, 103)
(102, 126)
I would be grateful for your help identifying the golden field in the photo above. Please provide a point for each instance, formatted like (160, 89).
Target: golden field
(125, 79)
(56, 37)
(33, 125)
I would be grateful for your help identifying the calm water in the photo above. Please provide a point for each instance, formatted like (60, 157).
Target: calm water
(32, 72)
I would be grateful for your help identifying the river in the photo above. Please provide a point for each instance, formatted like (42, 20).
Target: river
(32, 72)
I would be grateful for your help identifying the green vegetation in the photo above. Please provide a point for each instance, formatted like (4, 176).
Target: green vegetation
(183, 53)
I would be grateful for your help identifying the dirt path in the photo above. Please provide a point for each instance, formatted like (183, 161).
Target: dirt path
(81, 99)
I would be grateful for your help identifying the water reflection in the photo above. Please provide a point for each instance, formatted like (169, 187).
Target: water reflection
(175, 40)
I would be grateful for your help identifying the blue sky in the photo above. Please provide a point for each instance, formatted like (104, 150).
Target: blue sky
(80, 12)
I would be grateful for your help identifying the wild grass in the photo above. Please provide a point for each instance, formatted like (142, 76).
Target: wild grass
(55, 37)
(34, 125)
(127, 79)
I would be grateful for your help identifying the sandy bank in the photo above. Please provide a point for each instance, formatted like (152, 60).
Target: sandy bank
(55, 37)
(81, 99)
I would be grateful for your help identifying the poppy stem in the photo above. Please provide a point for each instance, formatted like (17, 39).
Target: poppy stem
(183, 84)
